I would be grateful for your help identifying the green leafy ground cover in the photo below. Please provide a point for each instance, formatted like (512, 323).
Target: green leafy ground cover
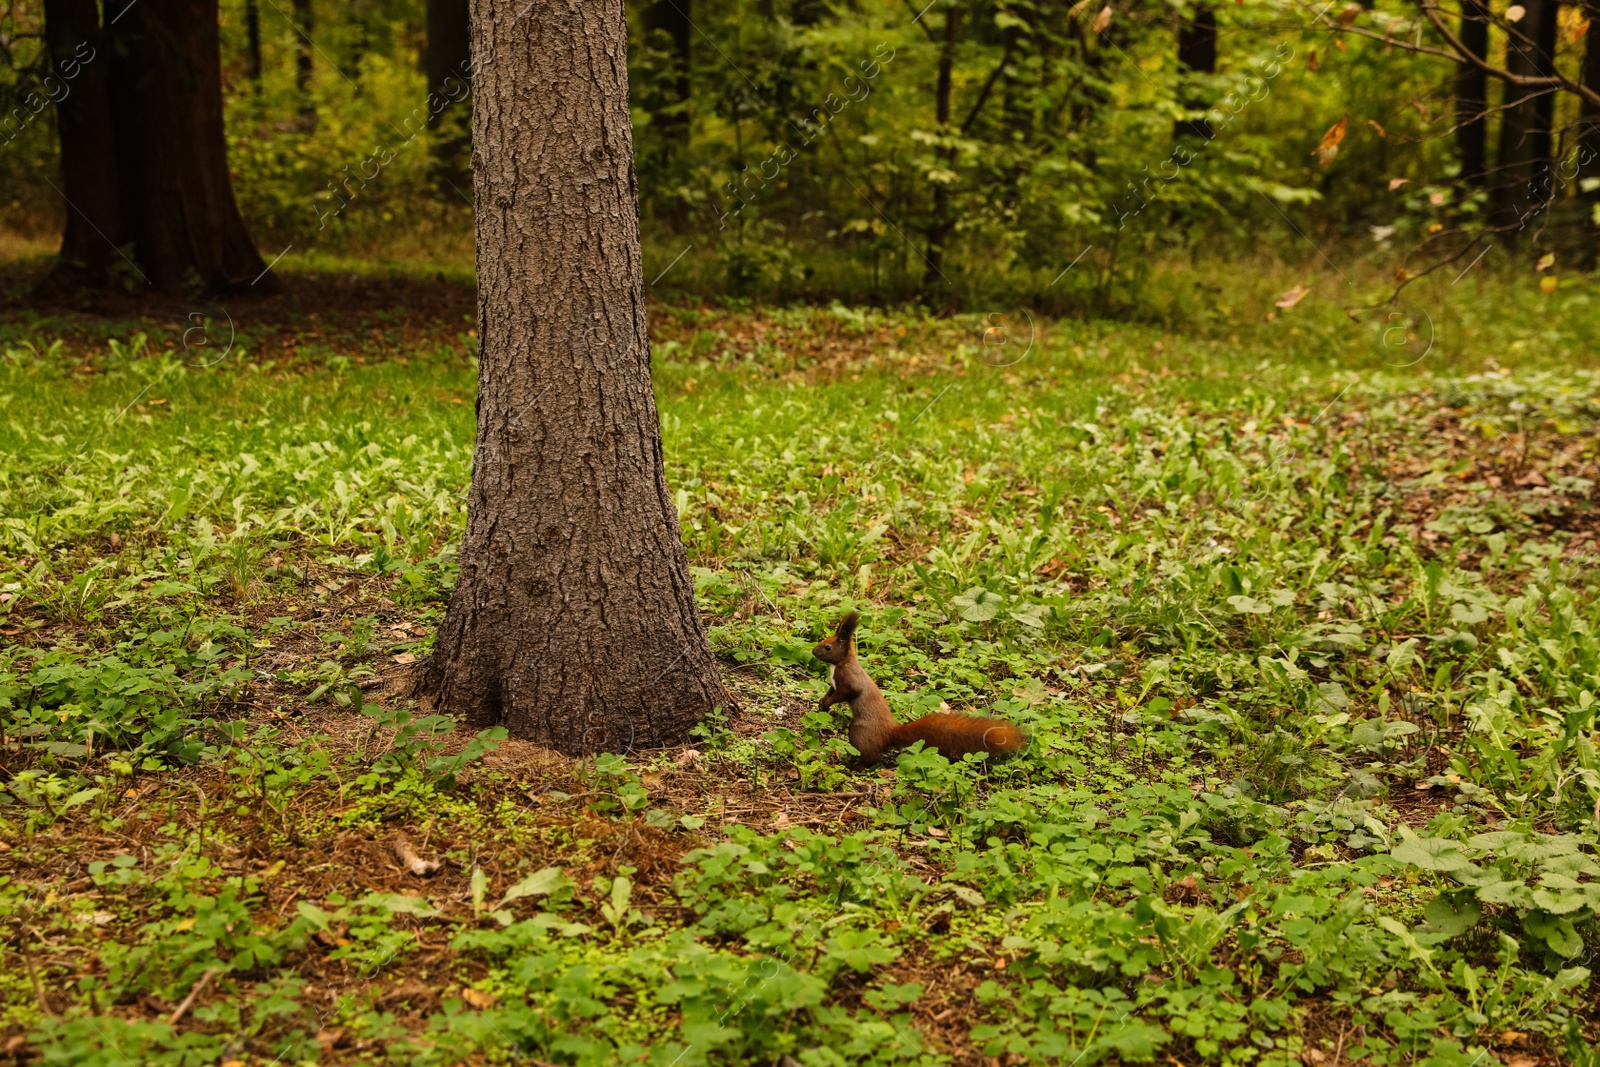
(1306, 643)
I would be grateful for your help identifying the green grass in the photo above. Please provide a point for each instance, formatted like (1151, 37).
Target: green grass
(1306, 642)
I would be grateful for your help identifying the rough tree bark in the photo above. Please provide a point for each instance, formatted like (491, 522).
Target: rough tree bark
(1472, 94)
(449, 55)
(81, 62)
(573, 622)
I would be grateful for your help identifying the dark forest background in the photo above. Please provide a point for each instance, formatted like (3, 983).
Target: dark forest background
(873, 153)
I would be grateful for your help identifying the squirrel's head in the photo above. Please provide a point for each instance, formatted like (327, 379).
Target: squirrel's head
(836, 649)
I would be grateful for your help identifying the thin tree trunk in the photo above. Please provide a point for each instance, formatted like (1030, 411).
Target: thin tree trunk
(941, 225)
(1523, 169)
(1589, 119)
(573, 622)
(1197, 54)
(1589, 112)
(1472, 94)
(166, 94)
(252, 32)
(305, 26)
(81, 61)
(449, 69)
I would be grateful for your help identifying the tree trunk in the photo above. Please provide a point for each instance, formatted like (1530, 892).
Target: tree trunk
(1472, 94)
(1524, 184)
(942, 225)
(449, 69)
(1197, 53)
(1589, 119)
(252, 32)
(304, 26)
(573, 622)
(166, 107)
(81, 61)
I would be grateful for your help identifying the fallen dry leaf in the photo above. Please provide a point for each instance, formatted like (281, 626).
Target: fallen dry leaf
(405, 657)
(1395, 183)
(413, 862)
(1546, 261)
(1515, 13)
(479, 998)
(1102, 20)
(1292, 297)
(1328, 150)
(687, 758)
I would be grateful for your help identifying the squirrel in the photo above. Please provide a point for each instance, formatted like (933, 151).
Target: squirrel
(872, 727)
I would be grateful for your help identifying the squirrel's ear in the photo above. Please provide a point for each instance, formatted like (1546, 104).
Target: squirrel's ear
(847, 626)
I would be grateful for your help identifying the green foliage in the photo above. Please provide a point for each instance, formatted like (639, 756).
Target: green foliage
(1249, 633)
(1496, 869)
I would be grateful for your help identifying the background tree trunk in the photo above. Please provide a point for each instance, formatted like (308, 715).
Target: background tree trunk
(1197, 53)
(941, 225)
(81, 59)
(1472, 94)
(166, 95)
(305, 25)
(1589, 118)
(1523, 167)
(574, 621)
(252, 34)
(449, 55)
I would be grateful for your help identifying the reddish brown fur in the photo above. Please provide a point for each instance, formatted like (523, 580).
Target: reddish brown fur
(872, 727)
(956, 735)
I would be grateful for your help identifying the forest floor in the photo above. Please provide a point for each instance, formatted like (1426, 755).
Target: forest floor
(1306, 639)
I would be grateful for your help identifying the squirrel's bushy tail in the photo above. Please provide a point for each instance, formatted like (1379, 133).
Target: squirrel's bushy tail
(956, 735)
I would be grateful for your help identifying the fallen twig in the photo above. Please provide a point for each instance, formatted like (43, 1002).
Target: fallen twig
(188, 1002)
